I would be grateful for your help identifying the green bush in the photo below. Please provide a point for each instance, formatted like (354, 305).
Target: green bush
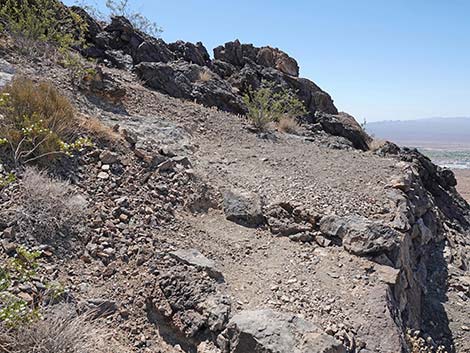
(14, 311)
(270, 104)
(36, 123)
(43, 21)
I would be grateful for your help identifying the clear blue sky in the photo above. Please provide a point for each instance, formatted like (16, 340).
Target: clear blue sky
(379, 59)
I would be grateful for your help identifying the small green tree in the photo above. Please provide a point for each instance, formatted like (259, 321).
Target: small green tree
(270, 104)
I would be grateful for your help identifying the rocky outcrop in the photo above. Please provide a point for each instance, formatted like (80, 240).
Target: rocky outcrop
(265, 331)
(239, 55)
(183, 80)
(345, 125)
(192, 53)
(360, 235)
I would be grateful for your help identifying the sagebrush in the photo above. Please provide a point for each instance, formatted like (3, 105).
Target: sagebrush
(270, 103)
(49, 209)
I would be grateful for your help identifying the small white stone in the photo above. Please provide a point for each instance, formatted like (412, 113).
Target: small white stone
(103, 175)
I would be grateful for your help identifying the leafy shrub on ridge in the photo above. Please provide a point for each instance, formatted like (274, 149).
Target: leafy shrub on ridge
(270, 104)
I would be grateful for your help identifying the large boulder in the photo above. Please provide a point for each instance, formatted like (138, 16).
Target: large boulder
(359, 235)
(344, 125)
(268, 331)
(192, 53)
(243, 207)
(183, 80)
(239, 54)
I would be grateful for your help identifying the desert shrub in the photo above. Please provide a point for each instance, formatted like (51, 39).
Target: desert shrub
(375, 144)
(138, 20)
(49, 208)
(205, 75)
(59, 331)
(99, 131)
(270, 103)
(289, 125)
(122, 8)
(14, 311)
(36, 122)
(46, 21)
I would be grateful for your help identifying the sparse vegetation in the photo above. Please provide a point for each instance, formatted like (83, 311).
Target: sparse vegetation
(36, 123)
(289, 125)
(122, 8)
(33, 22)
(14, 311)
(270, 104)
(60, 331)
(205, 75)
(138, 20)
(98, 131)
(49, 208)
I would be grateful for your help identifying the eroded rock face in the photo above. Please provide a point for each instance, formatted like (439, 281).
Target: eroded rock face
(266, 331)
(360, 235)
(192, 53)
(239, 54)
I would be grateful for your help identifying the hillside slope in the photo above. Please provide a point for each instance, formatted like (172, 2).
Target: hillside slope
(207, 237)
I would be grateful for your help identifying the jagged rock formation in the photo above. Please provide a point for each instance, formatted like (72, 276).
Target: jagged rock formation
(185, 70)
(381, 239)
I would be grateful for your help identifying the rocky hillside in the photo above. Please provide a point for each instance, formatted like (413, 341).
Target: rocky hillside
(180, 229)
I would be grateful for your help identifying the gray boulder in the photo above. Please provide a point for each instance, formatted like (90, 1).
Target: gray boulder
(360, 235)
(243, 208)
(268, 331)
(194, 258)
(7, 72)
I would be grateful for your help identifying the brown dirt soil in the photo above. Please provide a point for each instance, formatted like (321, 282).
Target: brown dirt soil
(463, 180)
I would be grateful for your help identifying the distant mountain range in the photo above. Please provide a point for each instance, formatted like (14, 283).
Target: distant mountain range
(429, 133)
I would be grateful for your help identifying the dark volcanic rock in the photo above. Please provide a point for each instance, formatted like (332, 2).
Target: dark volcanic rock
(346, 126)
(183, 80)
(192, 53)
(239, 54)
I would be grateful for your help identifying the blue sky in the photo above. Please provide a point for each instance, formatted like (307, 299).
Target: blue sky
(379, 59)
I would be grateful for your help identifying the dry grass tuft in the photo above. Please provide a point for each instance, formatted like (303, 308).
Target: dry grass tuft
(98, 130)
(289, 125)
(376, 144)
(37, 101)
(205, 76)
(61, 331)
(49, 208)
